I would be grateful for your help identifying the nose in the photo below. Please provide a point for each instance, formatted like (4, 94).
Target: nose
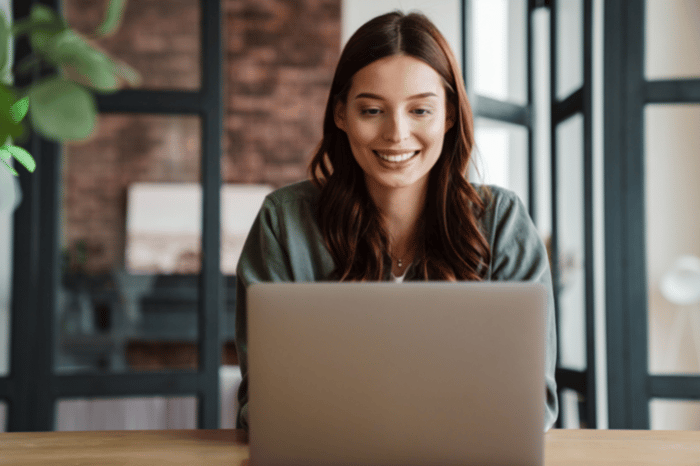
(396, 128)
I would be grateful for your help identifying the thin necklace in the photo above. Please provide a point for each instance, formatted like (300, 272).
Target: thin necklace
(399, 261)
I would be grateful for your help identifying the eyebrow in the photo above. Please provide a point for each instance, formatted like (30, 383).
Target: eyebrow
(368, 95)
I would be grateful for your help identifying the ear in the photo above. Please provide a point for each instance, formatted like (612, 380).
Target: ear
(339, 115)
(450, 116)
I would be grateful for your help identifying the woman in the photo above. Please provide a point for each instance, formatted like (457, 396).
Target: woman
(388, 198)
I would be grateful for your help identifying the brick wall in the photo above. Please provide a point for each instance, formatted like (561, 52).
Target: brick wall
(279, 61)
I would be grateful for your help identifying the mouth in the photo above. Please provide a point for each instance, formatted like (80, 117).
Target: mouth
(394, 156)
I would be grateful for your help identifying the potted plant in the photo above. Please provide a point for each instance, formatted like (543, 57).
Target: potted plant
(62, 105)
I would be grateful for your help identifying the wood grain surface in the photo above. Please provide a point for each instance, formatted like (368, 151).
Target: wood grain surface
(230, 448)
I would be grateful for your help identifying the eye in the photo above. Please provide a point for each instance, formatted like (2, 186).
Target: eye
(422, 111)
(370, 111)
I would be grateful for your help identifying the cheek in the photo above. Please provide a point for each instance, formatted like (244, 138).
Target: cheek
(362, 133)
(434, 133)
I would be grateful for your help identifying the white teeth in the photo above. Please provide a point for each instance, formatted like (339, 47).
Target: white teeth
(396, 157)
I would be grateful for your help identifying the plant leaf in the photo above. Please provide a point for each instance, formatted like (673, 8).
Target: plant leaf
(8, 126)
(44, 26)
(43, 14)
(4, 153)
(96, 77)
(78, 59)
(4, 42)
(19, 109)
(59, 45)
(23, 157)
(44, 37)
(83, 63)
(113, 17)
(12, 170)
(127, 73)
(62, 110)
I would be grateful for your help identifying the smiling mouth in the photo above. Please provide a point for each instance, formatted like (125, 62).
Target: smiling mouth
(400, 157)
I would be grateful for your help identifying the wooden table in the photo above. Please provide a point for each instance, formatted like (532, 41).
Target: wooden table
(229, 447)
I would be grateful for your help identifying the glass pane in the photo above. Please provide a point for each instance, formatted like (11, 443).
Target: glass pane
(127, 413)
(569, 17)
(229, 381)
(571, 409)
(160, 40)
(500, 49)
(672, 42)
(3, 416)
(9, 199)
(501, 155)
(672, 145)
(542, 122)
(570, 230)
(130, 238)
(674, 414)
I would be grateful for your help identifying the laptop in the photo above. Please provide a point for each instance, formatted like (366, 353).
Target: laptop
(419, 373)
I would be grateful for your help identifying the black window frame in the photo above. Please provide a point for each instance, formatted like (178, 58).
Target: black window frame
(579, 102)
(32, 387)
(630, 385)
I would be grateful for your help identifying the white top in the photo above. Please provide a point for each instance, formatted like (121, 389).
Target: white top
(399, 279)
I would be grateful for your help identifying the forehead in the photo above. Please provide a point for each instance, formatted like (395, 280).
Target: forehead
(397, 77)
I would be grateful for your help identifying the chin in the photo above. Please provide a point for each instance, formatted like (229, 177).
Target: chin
(400, 183)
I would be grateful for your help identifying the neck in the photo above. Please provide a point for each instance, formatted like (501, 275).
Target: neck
(400, 210)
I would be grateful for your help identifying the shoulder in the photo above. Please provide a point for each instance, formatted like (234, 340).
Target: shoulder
(292, 208)
(499, 202)
(301, 192)
(506, 221)
(518, 251)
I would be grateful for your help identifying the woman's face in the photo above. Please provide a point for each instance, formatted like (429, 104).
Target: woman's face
(395, 117)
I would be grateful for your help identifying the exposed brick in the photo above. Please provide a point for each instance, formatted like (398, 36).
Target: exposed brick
(279, 61)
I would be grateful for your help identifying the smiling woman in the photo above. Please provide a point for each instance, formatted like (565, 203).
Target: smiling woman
(395, 132)
(388, 198)
(399, 60)
(396, 136)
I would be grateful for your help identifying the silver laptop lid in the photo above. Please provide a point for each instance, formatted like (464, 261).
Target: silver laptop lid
(415, 373)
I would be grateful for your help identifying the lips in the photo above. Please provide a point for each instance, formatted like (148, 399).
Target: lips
(395, 156)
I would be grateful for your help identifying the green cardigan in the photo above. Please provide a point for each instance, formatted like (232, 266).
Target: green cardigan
(285, 244)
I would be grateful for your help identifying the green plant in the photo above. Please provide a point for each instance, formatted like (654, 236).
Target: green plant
(62, 105)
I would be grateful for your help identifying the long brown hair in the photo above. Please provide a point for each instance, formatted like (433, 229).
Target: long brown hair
(451, 244)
